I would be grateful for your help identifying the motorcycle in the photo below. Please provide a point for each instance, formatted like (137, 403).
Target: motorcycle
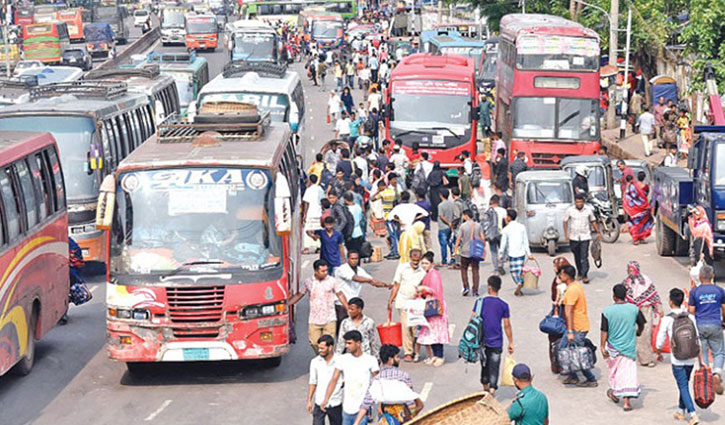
(605, 217)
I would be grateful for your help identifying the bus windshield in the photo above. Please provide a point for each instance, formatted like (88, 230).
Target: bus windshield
(556, 118)
(276, 104)
(254, 45)
(106, 14)
(327, 29)
(172, 20)
(557, 53)
(201, 26)
(167, 219)
(488, 73)
(446, 125)
(74, 135)
(184, 85)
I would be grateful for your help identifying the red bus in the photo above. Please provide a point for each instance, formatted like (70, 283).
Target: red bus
(201, 32)
(205, 243)
(33, 245)
(433, 101)
(547, 88)
(23, 16)
(74, 19)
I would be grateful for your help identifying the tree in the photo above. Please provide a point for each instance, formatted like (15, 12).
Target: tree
(704, 38)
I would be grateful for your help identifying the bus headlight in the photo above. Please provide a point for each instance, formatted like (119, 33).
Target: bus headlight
(127, 314)
(262, 310)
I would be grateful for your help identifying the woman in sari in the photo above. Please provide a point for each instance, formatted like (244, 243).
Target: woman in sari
(643, 293)
(701, 231)
(557, 296)
(637, 207)
(412, 238)
(436, 334)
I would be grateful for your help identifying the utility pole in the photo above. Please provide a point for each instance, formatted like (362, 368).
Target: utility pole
(625, 95)
(613, 34)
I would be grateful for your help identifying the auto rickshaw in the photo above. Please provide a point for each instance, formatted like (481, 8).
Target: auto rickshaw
(541, 200)
(601, 191)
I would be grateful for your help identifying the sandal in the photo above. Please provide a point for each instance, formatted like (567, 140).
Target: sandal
(408, 358)
(627, 408)
(614, 398)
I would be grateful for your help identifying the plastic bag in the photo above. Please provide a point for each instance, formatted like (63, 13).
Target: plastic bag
(507, 377)
(415, 313)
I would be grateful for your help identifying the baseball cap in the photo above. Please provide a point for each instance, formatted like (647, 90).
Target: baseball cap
(521, 371)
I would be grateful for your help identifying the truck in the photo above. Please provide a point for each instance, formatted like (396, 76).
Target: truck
(678, 191)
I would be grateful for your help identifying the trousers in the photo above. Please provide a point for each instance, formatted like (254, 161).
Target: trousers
(581, 256)
(711, 339)
(682, 377)
(333, 414)
(489, 369)
(314, 332)
(408, 334)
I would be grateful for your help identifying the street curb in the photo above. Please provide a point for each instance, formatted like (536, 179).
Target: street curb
(618, 150)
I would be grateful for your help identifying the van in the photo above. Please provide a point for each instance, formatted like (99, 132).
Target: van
(271, 87)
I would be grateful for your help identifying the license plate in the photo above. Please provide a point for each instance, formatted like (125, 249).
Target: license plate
(193, 354)
(438, 140)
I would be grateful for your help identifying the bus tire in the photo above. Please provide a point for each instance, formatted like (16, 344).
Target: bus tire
(25, 365)
(272, 362)
(664, 239)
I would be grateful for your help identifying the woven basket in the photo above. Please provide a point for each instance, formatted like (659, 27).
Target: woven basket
(474, 409)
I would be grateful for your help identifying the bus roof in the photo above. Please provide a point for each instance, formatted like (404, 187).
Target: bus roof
(252, 82)
(323, 15)
(16, 144)
(169, 61)
(453, 40)
(421, 66)
(147, 79)
(517, 24)
(249, 24)
(245, 151)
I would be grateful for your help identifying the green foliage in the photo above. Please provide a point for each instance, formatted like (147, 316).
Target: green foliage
(496, 9)
(705, 39)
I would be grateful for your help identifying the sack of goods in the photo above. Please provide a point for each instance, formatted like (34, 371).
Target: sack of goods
(575, 358)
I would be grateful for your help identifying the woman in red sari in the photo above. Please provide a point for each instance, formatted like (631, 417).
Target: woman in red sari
(638, 209)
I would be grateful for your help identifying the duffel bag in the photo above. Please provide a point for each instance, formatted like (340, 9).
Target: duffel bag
(703, 387)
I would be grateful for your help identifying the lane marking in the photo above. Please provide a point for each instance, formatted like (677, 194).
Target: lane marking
(93, 288)
(305, 264)
(156, 412)
(425, 391)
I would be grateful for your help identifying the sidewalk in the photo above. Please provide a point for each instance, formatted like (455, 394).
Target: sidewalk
(631, 147)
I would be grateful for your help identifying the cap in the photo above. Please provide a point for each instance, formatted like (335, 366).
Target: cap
(521, 371)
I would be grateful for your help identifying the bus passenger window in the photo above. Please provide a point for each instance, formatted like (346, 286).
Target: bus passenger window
(43, 184)
(11, 207)
(28, 192)
(52, 158)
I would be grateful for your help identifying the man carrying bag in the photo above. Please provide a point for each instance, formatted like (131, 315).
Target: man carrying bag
(470, 243)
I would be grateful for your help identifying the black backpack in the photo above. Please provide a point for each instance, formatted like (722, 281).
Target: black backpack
(350, 223)
(490, 225)
(476, 175)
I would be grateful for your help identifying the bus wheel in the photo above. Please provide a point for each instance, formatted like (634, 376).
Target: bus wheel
(272, 362)
(26, 363)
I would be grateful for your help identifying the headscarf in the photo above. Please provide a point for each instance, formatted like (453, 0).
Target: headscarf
(411, 238)
(559, 262)
(700, 227)
(640, 289)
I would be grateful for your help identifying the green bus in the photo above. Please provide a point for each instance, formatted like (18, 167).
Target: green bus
(289, 9)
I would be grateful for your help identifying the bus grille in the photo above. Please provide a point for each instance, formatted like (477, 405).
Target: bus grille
(545, 159)
(195, 304)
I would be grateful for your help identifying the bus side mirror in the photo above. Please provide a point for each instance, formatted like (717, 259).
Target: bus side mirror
(282, 206)
(106, 203)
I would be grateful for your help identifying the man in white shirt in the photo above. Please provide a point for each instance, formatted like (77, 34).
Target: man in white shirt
(342, 127)
(374, 100)
(333, 106)
(322, 368)
(515, 245)
(312, 210)
(351, 277)
(405, 213)
(357, 370)
(401, 161)
(577, 231)
(646, 124)
(671, 158)
(407, 278)
(360, 162)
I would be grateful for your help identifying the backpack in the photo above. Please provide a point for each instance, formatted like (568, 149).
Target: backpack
(490, 225)
(475, 216)
(470, 347)
(370, 125)
(349, 223)
(476, 175)
(684, 342)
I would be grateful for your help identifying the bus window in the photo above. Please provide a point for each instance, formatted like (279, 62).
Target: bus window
(43, 185)
(52, 158)
(11, 207)
(125, 142)
(28, 192)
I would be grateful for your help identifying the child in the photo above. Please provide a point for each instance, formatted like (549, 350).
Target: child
(683, 123)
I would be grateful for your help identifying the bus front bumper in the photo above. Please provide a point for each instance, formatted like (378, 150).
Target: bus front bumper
(237, 340)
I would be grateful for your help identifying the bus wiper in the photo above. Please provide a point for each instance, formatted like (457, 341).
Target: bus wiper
(189, 264)
(448, 130)
(411, 132)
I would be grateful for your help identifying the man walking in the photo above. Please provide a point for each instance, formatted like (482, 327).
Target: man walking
(351, 275)
(407, 278)
(469, 231)
(707, 303)
(446, 214)
(321, 370)
(681, 368)
(357, 321)
(518, 166)
(357, 370)
(388, 194)
(530, 406)
(492, 226)
(493, 310)
(515, 244)
(331, 243)
(622, 323)
(647, 131)
(577, 322)
(577, 220)
(322, 289)
(354, 242)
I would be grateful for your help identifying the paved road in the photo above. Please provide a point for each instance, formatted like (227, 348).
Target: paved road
(74, 382)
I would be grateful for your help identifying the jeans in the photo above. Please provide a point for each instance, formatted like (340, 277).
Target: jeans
(578, 339)
(444, 239)
(581, 256)
(489, 370)
(493, 246)
(437, 350)
(682, 377)
(348, 419)
(334, 415)
(394, 236)
(711, 340)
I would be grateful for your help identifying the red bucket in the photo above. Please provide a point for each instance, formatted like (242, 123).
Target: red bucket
(391, 333)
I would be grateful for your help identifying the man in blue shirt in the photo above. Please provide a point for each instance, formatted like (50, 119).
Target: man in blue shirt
(331, 244)
(354, 128)
(707, 303)
(493, 310)
(530, 407)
